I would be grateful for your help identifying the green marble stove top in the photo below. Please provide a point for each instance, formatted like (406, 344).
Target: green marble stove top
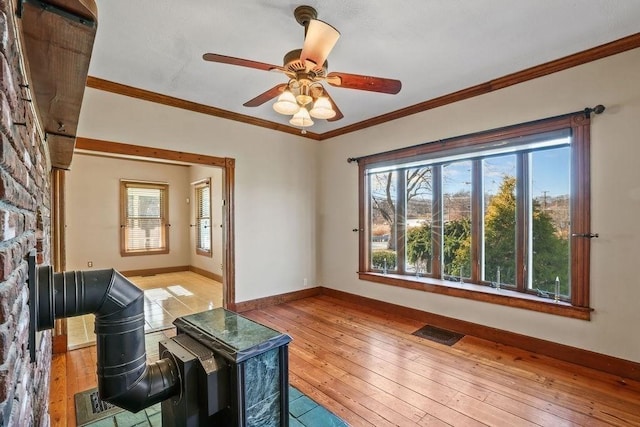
(234, 336)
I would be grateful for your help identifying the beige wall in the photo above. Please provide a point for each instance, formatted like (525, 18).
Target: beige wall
(93, 212)
(615, 293)
(212, 264)
(275, 185)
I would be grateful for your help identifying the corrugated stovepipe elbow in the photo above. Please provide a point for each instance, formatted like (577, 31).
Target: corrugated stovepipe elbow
(125, 378)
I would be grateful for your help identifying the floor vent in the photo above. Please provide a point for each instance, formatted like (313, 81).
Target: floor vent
(90, 408)
(438, 335)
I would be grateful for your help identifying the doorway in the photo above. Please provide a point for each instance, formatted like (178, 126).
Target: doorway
(132, 152)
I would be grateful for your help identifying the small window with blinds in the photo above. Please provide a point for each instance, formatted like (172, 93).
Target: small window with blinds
(203, 217)
(144, 218)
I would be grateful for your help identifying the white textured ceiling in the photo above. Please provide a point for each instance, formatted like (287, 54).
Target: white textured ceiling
(434, 47)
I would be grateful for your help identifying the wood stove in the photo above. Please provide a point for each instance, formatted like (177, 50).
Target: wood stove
(233, 372)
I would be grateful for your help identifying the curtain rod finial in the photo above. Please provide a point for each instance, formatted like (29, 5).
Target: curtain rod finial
(598, 109)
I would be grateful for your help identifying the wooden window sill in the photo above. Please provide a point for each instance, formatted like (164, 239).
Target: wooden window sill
(204, 253)
(480, 293)
(137, 253)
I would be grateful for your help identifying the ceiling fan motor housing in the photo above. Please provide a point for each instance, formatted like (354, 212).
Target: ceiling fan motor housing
(292, 64)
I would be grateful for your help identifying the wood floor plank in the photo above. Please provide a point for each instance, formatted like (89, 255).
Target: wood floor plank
(616, 388)
(575, 403)
(488, 414)
(427, 398)
(376, 361)
(343, 412)
(339, 377)
(315, 323)
(573, 413)
(528, 412)
(373, 389)
(336, 390)
(600, 401)
(58, 391)
(394, 355)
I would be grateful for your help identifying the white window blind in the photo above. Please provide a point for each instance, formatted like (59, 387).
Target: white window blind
(145, 217)
(203, 216)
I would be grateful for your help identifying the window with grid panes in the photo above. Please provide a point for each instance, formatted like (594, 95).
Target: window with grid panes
(144, 218)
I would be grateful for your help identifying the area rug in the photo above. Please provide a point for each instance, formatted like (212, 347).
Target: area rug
(438, 335)
(92, 412)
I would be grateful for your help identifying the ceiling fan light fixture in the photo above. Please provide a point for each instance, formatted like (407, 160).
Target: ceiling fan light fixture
(301, 118)
(303, 96)
(304, 99)
(286, 103)
(322, 109)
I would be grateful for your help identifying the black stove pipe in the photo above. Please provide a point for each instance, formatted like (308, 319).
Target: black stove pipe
(125, 379)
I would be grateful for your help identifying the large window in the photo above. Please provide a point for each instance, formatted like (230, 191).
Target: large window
(500, 216)
(202, 192)
(144, 218)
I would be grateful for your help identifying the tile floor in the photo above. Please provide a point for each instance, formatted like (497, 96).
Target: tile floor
(303, 412)
(306, 412)
(167, 296)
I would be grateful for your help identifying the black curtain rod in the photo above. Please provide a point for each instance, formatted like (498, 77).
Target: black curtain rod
(598, 109)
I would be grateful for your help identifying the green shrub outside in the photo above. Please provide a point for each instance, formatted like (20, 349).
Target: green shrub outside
(378, 258)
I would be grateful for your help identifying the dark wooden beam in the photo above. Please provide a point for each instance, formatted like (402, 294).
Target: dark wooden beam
(58, 40)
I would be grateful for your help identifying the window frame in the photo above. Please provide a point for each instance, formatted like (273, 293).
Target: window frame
(163, 217)
(197, 190)
(578, 306)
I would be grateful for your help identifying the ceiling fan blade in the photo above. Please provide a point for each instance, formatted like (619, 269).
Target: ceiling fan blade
(320, 38)
(266, 96)
(214, 57)
(370, 83)
(339, 114)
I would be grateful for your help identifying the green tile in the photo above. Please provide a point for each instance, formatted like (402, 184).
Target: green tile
(156, 420)
(294, 423)
(106, 422)
(301, 406)
(129, 419)
(153, 409)
(320, 417)
(294, 393)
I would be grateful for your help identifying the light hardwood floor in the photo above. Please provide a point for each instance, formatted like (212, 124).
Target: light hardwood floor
(367, 367)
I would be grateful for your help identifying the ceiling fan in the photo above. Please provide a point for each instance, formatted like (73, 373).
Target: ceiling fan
(304, 96)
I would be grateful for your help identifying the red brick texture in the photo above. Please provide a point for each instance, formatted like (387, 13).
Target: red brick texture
(24, 226)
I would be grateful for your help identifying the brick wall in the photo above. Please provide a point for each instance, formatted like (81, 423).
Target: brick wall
(24, 225)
